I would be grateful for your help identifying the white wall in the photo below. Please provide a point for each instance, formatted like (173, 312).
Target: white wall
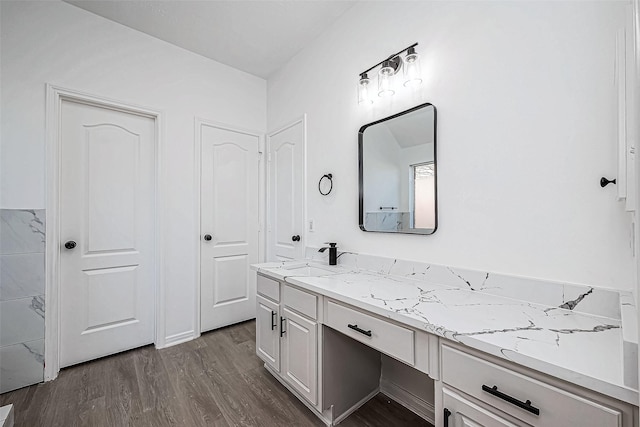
(54, 42)
(526, 128)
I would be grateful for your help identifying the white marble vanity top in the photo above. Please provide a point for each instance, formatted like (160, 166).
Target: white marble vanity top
(581, 348)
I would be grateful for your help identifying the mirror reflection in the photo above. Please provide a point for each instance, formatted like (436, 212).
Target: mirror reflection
(398, 173)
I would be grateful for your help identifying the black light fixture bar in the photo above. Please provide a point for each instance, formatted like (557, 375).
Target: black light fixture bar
(390, 57)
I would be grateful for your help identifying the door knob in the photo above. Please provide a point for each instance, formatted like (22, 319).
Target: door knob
(207, 237)
(295, 238)
(70, 244)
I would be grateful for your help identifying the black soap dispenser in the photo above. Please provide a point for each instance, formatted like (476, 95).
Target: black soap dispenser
(333, 253)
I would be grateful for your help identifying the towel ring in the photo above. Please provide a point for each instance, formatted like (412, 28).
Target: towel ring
(330, 178)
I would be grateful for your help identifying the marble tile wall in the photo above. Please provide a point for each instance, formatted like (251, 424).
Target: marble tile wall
(557, 295)
(22, 305)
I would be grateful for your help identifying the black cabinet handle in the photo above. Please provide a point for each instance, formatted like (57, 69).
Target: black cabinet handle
(362, 331)
(282, 331)
(207, 237)
(520, 404)
(295, 238)
(70, 244)
(274, 321)
(447, 413)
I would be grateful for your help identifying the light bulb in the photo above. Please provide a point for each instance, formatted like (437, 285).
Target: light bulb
(412, 75)
(364, 97)
(384, 79)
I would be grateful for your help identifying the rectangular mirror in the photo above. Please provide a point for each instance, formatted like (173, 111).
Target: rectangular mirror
(397, 157)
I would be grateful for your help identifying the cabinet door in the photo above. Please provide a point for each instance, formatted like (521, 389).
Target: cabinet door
(464, 413)
(299, 354)
(268, 332)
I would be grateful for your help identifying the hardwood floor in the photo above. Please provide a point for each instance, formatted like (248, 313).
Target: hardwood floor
(216, 380)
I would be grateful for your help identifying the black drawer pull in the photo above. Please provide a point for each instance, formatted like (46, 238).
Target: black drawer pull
(447, 414)
(362, 331)
(274, 320)
(524, 405)
(282, 331)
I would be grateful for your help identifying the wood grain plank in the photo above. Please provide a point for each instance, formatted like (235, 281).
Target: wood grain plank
(215, 380)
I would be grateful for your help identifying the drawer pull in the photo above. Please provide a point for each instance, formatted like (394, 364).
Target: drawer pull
(524, 405)
(362, 331)
(282, 331)
(447, 414)
(274, 320)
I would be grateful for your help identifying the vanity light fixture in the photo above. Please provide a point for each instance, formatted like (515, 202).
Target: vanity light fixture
(412, 75)
(385, 76)
(364, 95)
(389, 67)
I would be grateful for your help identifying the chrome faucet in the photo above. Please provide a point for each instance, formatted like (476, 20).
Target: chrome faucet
(333, 253)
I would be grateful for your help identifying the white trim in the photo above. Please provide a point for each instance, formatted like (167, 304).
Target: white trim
(197, 159)
(302, 119)
(302, 400)
(418, 406)
(621, 104)
(356, 406)
(54, 97)
(176, 339)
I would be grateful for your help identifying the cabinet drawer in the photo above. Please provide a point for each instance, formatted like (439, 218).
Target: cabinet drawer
(556, 407)
(391, 339)
(269, 288)
(301, 301)
(464, 413)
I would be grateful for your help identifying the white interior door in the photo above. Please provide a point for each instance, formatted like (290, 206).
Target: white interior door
(107, 188)
(229, 226)
(286, 193)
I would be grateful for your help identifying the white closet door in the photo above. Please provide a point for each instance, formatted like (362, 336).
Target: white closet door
(107, 188)
(229, 226)
(286, 193)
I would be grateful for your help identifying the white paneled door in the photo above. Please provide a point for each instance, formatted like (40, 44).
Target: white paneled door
(228, 225)
(107, 199)
(286, 192)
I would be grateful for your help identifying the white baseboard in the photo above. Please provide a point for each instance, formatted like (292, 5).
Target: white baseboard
(298, 396)
(410, 401)
(355, 407)
(6, 416)
(175, 339)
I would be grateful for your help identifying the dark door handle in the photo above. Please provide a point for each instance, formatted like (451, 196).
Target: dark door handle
(447, 413)
(520, 404)
(282, 331)
(362, 331)
(70, 244)
(207, 237)
(274, 321)
(295, 238)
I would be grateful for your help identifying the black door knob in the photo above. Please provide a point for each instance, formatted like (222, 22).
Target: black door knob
(207, 237)
(70, 244)
(295, 238)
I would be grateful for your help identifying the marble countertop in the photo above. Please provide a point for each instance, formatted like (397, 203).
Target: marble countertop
(580, 348)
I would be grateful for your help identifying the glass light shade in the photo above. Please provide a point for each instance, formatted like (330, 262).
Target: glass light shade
(412, 74)
(364, 96)
(385, 81)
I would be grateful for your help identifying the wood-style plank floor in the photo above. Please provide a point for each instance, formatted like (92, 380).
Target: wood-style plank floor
(215, 380)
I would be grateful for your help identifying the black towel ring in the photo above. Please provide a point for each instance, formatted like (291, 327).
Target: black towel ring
(330, 178)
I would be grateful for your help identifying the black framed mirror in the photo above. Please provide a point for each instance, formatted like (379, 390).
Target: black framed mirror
(397, 169)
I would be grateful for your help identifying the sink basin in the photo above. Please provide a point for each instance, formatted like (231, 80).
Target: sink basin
(308, 270)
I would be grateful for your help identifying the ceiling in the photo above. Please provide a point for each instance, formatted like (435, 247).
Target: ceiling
(258, 37)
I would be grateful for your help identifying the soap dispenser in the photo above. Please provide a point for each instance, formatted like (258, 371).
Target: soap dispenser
(333, 253)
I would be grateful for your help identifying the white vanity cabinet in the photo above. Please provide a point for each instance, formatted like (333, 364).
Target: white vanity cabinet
(268, 332)
(287, 335)
(299, 354)
(461, 412)
(478, 390)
